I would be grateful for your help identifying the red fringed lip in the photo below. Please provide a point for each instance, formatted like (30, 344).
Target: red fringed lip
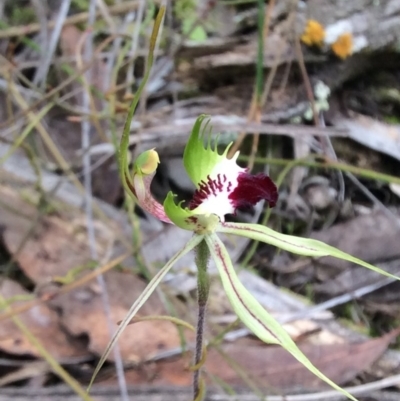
(251, 189)
(225, 194)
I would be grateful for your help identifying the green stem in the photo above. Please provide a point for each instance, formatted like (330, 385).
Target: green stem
(203, 287)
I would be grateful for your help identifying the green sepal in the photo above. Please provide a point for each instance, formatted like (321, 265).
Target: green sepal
(143, 297)
(298, 245)
(200, 158)
(253, 315)
(189, 219)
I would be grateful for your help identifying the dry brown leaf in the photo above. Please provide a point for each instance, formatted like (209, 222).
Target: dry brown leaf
(43, 323)
(276, 368)
(272, 367)
(56, 245)
(46, 246)
(83, 313)
(372, 238)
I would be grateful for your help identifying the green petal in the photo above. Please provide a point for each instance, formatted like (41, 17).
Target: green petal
(297, 245)
(199, 158)
(143, 297)
(189, 219)
(253, 315)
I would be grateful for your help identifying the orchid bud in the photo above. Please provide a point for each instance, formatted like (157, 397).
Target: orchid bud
(147, 162)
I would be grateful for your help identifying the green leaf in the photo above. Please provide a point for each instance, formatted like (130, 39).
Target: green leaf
(297, 245)
(199, 158)
(188, 219)
(194, 241)
(253, 315)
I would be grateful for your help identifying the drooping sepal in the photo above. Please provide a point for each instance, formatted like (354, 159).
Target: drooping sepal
(189, 219)
(297, 245)
(253, 315)
(143, 297)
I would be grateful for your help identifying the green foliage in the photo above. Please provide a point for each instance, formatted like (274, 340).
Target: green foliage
(186, 13)
(81, 5)
(22, 15)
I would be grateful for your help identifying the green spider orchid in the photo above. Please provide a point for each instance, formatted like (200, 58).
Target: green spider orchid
(221, 188)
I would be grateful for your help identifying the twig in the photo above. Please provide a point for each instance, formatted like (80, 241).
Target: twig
(331, 395)
(15, 310)
(135, 41)
(332, 154)
(121, 8)
(340, 300)
(41, 73)
(259, 96)
(88, 54)
(44, 135)
(105, 12)
(40, 10)
(4, 86)
(387, 212)
(54, 91)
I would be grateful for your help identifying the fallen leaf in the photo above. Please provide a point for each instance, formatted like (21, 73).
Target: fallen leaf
(372, 238)
(44, 324)
(356, 277)
(372, 133)
(54, 246)
(83, 313)
(274, 367)
(271, 367)
(47, 245)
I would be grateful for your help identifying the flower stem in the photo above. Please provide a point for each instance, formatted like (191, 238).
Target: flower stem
(203, 286)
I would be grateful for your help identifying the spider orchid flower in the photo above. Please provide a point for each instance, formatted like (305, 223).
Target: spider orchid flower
(222, 187)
